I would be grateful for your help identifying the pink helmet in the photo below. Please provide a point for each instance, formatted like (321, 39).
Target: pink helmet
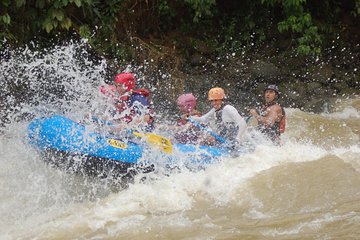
(187, 101)
(127, 79)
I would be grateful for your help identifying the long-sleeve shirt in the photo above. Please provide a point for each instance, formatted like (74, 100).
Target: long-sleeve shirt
(225, 122)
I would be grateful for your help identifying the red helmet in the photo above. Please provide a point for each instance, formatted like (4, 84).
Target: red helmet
(187, 101)
(127, 79)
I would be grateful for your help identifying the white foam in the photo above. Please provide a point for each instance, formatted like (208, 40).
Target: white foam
(314, 225)
(41, 199)
(348, 112)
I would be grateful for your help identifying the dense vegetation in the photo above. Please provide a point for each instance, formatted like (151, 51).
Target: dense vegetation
(309, 48)
(113, 26)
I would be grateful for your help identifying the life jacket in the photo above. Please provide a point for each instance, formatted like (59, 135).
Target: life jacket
(127, 100)
(191, 134)
(146, 93)
(126, 103)
(226, 130)
(274, 131)
(282, 121)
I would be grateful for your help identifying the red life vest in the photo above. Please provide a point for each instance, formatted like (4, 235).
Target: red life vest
(282, 124)
(275, 130)
(122, 103)
(191, 134)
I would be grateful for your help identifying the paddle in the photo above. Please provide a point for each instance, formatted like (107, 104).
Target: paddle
(163, 143)
(217, 137)
(247, 119)
(156, 140)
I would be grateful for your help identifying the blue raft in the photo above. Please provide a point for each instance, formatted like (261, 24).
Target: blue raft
(68, 144)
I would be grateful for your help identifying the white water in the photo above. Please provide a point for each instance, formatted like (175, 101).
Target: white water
(306, 188)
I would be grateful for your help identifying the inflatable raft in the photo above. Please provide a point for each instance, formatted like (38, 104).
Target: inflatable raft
(68, 144)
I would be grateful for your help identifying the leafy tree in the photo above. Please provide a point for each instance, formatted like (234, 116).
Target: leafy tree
(111, 25)
(299, 22)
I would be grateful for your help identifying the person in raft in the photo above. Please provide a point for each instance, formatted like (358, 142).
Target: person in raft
(186, 133)
(223, 119)
(271, 115)
(131, 106)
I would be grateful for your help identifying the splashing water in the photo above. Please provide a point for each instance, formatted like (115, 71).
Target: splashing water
(307, 188)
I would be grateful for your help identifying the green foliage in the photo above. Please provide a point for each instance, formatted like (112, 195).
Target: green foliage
(21, 20)
(186, 16)
(108, 25)
(5, 19)
(248, 27)
(20, 3)
(202, 8)
(309, 41)
(165, 11)
(300, 24)
(85, 31)
(356, 11)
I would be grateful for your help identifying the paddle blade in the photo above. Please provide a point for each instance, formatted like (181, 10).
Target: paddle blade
(163, 143)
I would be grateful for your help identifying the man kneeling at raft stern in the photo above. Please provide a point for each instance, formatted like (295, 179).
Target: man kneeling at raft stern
(271, 115)
(224, 120)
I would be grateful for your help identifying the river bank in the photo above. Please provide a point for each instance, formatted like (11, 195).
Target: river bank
(306, 83)
(310, 84)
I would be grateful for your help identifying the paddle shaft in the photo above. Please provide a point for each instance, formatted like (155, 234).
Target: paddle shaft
(196, 124)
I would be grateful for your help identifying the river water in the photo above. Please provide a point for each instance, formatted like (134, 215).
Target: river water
(308, 188)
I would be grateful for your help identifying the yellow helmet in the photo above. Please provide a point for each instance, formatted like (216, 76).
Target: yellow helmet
(216, 93)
